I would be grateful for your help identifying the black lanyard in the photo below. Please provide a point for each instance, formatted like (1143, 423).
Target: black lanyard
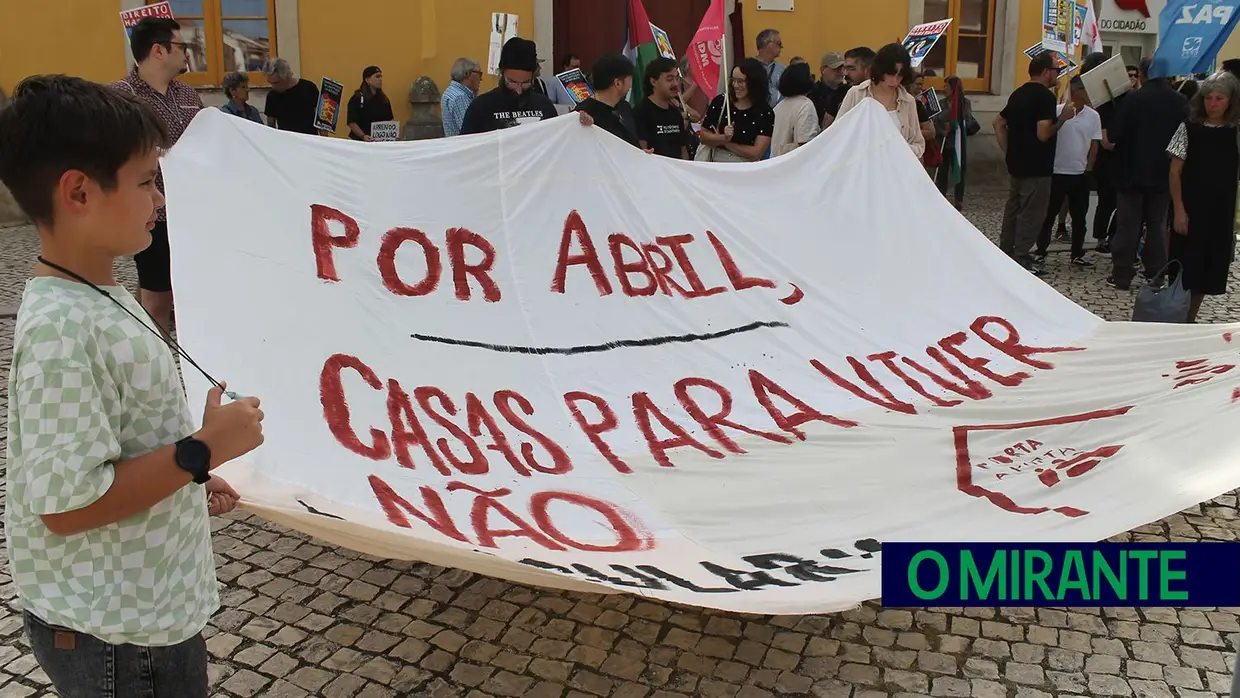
(168, 341)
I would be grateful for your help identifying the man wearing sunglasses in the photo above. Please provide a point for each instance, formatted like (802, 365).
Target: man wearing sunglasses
(514, 102)
(160, 54)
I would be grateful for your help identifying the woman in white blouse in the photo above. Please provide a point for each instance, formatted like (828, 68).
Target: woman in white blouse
(796, 117)
(888, 72)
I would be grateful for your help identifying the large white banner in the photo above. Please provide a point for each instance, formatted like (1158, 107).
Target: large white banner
(545, 355)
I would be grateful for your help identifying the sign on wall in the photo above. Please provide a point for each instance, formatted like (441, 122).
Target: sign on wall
(535, 368)
(1129, 16)
(503, 28)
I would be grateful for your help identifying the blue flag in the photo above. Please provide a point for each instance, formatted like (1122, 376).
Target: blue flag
(1190, 35)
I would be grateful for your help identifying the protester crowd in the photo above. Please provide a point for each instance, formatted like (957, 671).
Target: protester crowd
(94, 385)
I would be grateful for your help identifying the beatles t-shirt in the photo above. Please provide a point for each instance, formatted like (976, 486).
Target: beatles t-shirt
(663, 129)
(747, 124)
(499, 109)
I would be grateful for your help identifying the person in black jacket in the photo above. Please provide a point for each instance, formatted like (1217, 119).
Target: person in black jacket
(1143, 126)
(368, 105)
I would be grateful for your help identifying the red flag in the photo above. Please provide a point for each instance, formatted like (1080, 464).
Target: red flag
(706, 50)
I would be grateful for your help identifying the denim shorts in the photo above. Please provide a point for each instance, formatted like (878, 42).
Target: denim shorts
(83, 666)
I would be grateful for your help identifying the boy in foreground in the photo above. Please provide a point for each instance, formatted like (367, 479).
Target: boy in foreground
(107, 517)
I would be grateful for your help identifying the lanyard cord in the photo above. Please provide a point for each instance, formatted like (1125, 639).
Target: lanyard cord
(168, 341)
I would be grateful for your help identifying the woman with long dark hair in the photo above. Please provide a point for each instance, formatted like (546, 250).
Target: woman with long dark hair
(1205, 168)
(796, 117)
(368, 105)
(743, 133)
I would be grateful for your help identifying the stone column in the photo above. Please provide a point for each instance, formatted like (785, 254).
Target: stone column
(425, 122)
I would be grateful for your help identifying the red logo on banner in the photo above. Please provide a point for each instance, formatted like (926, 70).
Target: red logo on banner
(1134, 6)
(977, 473)
(1197, 371)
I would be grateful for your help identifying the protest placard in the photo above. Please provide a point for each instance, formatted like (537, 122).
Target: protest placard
(922, 38)
(576, 85)
(327, 115)
(381, 131)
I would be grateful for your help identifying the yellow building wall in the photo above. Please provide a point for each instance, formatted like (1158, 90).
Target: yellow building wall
(406, 40)
(818, 26)
(75, 37)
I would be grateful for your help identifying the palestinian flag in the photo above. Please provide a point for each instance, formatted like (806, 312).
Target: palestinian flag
(639, 47)
(956, 119)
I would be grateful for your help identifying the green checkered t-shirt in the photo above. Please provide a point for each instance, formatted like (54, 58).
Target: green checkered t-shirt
(90, 387)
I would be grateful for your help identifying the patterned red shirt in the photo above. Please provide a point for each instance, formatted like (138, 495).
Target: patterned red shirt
(176, 108)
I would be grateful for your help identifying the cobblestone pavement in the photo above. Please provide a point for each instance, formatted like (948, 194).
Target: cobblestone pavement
(303, 619)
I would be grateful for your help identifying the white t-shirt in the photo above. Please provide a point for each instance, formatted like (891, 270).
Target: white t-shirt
(1074, 139)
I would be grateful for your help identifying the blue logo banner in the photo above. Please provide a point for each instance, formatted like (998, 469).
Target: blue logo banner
(1190, 35)
(1061, 574)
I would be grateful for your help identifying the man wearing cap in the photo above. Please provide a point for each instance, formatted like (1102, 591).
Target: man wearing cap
(828, 92)
(515, 102)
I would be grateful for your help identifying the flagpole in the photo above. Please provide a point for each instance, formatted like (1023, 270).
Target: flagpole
(727, 73)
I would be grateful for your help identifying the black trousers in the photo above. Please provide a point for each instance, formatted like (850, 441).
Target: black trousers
(1075, 189)
(1104, 214)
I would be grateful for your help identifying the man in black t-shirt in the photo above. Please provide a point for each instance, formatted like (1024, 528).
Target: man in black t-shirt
(1026, 131)
(661, 127)
(514, 102)
(292, 102)
(613, 79)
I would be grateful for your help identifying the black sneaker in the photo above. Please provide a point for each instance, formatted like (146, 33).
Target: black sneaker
(1063, 236)
(1037, 271)
(1103, 247)
(1081, 262)
(1116, 285)
(1039, 258)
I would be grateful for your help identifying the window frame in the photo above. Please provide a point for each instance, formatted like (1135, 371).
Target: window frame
(952, 48)
(213, 34)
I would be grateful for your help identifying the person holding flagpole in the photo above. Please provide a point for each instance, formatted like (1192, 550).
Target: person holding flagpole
(740, 122)
(959, 124)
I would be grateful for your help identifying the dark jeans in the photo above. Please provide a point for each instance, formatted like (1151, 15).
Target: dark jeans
(83, 666)
(1074, 188)
(1022, 217)
(1137, 208)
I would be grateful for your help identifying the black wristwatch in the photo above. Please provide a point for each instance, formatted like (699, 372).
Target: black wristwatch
(194, 457)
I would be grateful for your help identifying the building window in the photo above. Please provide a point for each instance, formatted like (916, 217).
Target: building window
(223, 36)
(967, 49)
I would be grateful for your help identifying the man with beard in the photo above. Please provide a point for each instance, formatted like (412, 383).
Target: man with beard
(613, 80)
(828, 92)
(514, 102)
(661, 127)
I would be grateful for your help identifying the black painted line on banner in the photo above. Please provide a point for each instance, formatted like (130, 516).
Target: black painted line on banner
(596, 348)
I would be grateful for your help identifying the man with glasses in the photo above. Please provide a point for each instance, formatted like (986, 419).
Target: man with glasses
(514, 102)
(466, 81)
(160, 55)
(770, 46)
